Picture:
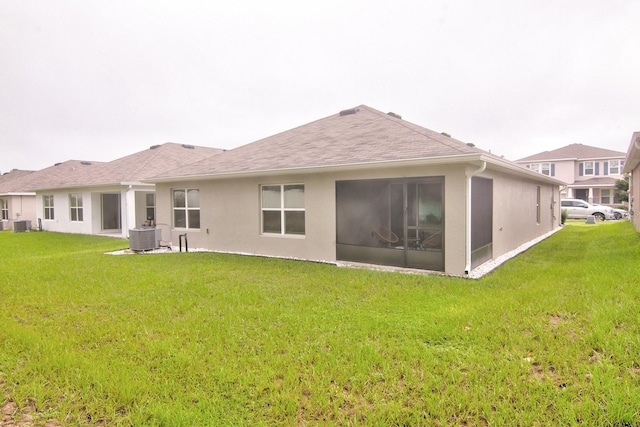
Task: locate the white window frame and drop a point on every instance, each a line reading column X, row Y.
column 584, row 168
column 76, row 207
column 605, row 192
column 4, row 209
column 618, row 167
column 186, row 208
column 283, row 210
column 48, row 207
column 543, row 168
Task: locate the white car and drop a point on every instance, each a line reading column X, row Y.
column 579, row 209
column 620, row 213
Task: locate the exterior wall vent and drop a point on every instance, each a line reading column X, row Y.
column 392, row 114
column 190, row 147
column 349, row 111
column 153, row 147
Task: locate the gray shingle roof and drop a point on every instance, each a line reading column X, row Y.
column 16, row 181
column 598, row 181
column 574, row 151
column 132, row 168
column 365, row 136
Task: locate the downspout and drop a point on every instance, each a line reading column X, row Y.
column 467, row 248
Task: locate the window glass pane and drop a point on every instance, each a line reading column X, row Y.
column 271, row 196
column 294, row 196
column 194, row 219
column 178, row 198
column 271, row 222
column 193, row 198
column 79, row 201
column 151, row 214
column 151, row 199
column 80, row 216
column 179, row 218
column 74, row 215
column 588, row 168
column 294, row 222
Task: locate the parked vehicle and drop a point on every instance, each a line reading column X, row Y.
column 620, row 213
column 579, row 209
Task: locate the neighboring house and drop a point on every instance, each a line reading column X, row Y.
column 590, row 171
column 632, row 166
column 360, row 186
column 107, row 198
column 16, row 202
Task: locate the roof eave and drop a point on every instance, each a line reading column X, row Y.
column 633, row 154
column 18, row 193
column 456, row 159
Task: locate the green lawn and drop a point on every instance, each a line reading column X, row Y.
column 551, row 337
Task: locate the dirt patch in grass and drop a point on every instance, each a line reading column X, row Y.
column 12, row 416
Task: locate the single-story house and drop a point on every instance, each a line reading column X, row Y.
column 632, row 167
column 359, row 186
column 108, row 198
column 17, row 203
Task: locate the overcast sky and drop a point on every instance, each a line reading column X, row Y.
column 98, row 80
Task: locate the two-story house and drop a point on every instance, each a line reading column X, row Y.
column 590, row 172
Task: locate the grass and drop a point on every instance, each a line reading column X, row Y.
column 552, row 337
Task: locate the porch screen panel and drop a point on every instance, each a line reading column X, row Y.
column 481, row 220
column 361, row 206
column 395, row 222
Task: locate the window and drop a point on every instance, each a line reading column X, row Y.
column 47, row 203
column 283, row 209
column 588, row 168
column 4, row 209
column 543, row 168
column 605, row 196
column 186, row 208
column 75, row 205
column 151, row 207
column 615, row 167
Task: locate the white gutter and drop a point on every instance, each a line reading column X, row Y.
column 467, row 248
column 456, row 159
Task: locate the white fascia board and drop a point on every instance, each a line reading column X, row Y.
column 18, row 193
column 463, row 158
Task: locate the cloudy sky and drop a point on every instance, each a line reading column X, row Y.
column 103, row 79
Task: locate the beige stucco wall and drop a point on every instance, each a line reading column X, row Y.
column 20, row 207
column 514, row 211
column 230, row 213
column 566, row 170
column 634, row 196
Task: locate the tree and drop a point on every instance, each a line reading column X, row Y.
column 622, row 189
